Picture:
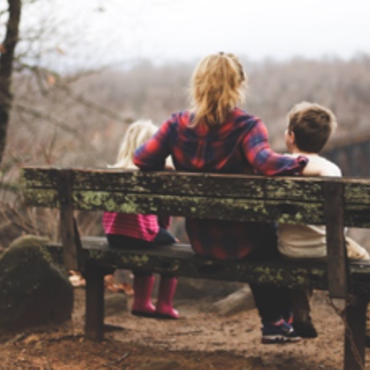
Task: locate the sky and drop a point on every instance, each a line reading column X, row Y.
column 116, row 31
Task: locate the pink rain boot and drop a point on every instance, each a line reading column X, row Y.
column 143, row 286
column 166, row 292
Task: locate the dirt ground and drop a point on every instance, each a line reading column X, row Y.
column 199, row 340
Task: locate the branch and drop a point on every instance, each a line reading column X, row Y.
column 62, row 84
column 37, row 114
column 90, row 104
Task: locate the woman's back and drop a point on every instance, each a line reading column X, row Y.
column 210, row 149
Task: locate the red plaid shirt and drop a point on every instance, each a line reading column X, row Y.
column 240, row 145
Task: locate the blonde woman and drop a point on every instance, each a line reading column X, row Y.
column 215, row 135
column 130, row 230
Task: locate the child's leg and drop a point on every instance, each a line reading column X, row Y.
column 166, row 292
column 272, row 302
column 302, row 321
column 143, row 286
column 301, row 304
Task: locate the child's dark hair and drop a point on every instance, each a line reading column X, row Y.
column 312, row 125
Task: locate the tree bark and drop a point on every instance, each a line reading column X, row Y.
column 6, row 66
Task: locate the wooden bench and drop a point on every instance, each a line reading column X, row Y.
column 323, row 201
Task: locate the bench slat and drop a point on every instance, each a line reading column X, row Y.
column 72, row 248
column 195, row 184
column 338, row 272
column 201, row 207
column 181, row 261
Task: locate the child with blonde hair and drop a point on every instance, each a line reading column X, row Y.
column 136, row 230
column 309, row 128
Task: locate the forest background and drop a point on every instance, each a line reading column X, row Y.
column 75, row 114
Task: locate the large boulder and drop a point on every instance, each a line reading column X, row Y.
column 33, row 291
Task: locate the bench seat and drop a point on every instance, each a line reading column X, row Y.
column 180, row 260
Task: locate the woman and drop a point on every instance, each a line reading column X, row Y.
column 217, row 136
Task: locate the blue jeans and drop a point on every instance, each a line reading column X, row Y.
column 163, row 237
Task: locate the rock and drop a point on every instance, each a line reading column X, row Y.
column 189, row 288
column 241, row 300
column 33, row 291
column 115, row 304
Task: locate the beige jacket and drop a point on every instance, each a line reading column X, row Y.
column 309, row 241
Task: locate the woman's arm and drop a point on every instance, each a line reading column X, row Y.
column 152, row 154
column 264, row 160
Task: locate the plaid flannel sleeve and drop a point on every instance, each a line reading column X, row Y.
column 153, row 153
column 264, row 160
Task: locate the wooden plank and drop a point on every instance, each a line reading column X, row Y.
column 181, row 260
column 357, row 191
column 338, row 273
column 355, row 334
column 94, row 321
column 197, row 207
column 72, row 248
column 202, row 207
column 177, row 183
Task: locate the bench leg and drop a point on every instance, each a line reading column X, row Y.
column 94, row 322
column 355, row 335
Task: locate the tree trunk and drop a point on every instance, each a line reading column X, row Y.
column 6, row 66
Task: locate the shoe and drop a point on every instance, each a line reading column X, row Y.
column 143, row 286
column 166, row 292
column 279, row 332
column 305, row 329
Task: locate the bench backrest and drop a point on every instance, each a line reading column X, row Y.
column 294, row 200
column 333, row 202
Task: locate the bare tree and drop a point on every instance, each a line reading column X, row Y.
column 6, row 66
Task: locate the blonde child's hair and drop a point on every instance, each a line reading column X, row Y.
column 217, row 86
column 312, row 125
column 137, row 134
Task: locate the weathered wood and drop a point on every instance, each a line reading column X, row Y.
column 197, row 207
column 282, row 211
column 290, row 200
column 181, row 260
column 175, row 183
column 338, row 273
column 94, row 322
column 199, row 184
column 72, row 247
column 355, row 334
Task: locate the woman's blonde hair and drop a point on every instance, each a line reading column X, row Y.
column 137, row 134
column 217, row 86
